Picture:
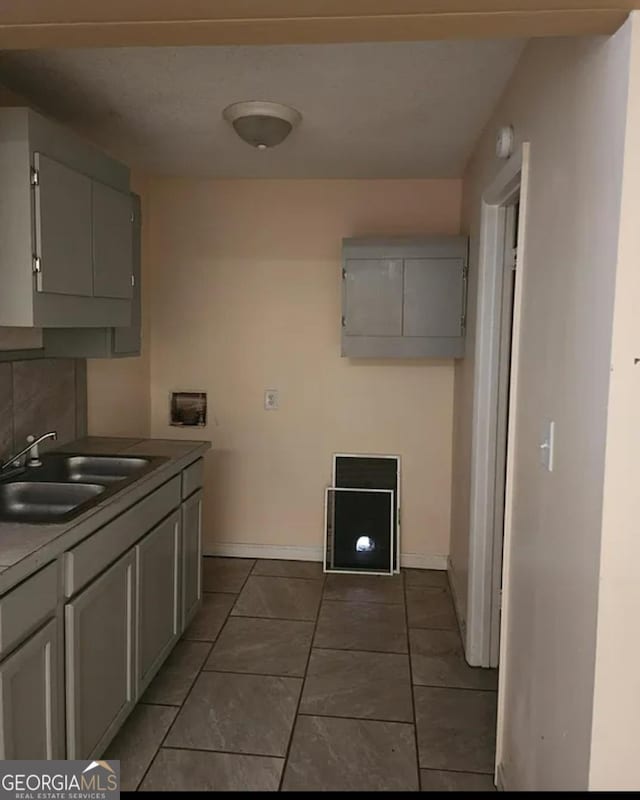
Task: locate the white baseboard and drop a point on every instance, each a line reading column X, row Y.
column 462, row 622
column 423, row 561
column 295, row 553
column 282, row 551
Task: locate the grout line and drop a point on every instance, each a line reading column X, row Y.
column 268, row 619
column 420, row 628
column 224, row 752
column 413, row 696
column 452, row 688
column 304, row 679
column 364, row 650
column 401, row 604
column 284, row 578
column 240, row 673
column 458, row 771
column 355, row 719
column 363, row 602
column 197, row 675
column 177, row 714
column 163, row 705
column 275, row 619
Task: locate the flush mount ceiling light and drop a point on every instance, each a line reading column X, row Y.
column 260, row 123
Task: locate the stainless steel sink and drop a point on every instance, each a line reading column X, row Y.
column 103, row 469
column 68, row 484
column 35, row 501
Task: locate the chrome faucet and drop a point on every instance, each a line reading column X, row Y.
column 32, row 456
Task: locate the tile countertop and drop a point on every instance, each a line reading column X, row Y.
column 24, row 547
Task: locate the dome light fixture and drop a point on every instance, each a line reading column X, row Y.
column 260, row 123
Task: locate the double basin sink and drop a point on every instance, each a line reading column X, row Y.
column 66, row 485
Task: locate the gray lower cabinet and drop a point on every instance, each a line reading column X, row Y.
column 158, row 580
column 30, row 683
column 99, row 655
column 191, row 556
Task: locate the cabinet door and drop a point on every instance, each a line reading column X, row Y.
column 191, row 556
column 63, row 229
column 433, row 297
column 99, row 651
column 127, row 341
column 30, row 690
column 372, row 299
column 112, row 242
column 157, row 560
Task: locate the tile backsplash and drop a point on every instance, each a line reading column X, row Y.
column 39, row 395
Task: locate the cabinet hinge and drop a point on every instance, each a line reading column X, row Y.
column 465, row 292
column 344, row 322
column 37, row 265
column 35, row 177
column 344, row 274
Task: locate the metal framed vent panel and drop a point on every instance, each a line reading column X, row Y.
column 371, row 471
column 359, row 531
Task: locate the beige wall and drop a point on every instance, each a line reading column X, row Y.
column 118, row 389
column 616, row 721
column 246, row 296
column 568, row 98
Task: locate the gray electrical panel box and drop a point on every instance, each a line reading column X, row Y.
column 404, row 298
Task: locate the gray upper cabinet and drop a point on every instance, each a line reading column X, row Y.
column 119, row 342
column 63, row 229
column 66, row 235
column 112, row 242
column 127, row 341
column 404, row 298
column 99, row 653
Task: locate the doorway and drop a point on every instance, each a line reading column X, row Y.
column 500, row 279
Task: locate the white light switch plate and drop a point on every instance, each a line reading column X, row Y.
column 547, row 446
column 271, row 400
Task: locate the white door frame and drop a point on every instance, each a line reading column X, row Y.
column 485, row 531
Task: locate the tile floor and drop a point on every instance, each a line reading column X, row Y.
column 290, row 680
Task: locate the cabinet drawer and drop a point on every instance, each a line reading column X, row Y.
column 192, row 477
column 96, row 552
column 25, row 607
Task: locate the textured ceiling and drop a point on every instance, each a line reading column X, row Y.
column 369, row 110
